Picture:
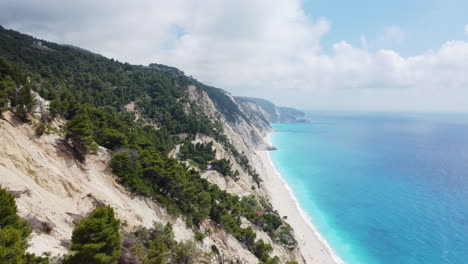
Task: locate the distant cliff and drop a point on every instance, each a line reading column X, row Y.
column 271, row 112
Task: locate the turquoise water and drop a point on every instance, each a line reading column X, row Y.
column 381, row 188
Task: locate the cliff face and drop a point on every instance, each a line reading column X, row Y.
column 270, row 112
column 54, row 190
column 248, row 134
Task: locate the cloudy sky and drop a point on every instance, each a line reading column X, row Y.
column 312, row 54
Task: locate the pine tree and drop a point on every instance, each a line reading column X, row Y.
column 79, row 133
column 186, row 253
column 13, row 231
column 96, row 239
column 161, row 244
column 24, row 102
column 157, row 251
column 6, row 85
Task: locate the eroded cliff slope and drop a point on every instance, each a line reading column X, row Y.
column 144, row 115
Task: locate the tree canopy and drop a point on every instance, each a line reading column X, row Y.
column 13, row 231
column 96, row 239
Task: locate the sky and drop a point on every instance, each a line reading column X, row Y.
column 312, row 54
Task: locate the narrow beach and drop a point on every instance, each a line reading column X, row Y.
column 313, row 246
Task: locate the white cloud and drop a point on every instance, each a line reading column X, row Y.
column 262, row 48
column 393, row 34
column 364, row 42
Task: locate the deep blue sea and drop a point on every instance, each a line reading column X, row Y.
column 381, row 188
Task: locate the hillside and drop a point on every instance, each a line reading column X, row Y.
column 81, row 131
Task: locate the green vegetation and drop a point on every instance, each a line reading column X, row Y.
column 79, row 133
column 96, row 239
column 6, row 86
column 89, row 92
column 13, row 231
column 40, row 128
column 241, row 159
column 24, row 102
column 224, row 167
column 201, row 153
column 6, row 83
column 264, row 217
column 199, row 236
column 186, row 253
column 15, row 91
column 184, row 192
column 14, row 234
column 262, row 250
column 166, row 180
column 157, row 246
column 224, row 103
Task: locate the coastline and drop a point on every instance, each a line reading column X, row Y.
column 314, row 248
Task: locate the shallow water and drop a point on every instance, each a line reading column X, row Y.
column 381, row 188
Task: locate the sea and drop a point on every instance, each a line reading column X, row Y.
column 381, row 188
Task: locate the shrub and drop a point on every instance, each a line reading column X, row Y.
column 222, row 166
column 13, row 231
column 262, row 250
column 186, row 253
column 40, row 128
column 199, row 236
column 215, row 249
column 79, row 133
column 96, row 239
column 112, row 138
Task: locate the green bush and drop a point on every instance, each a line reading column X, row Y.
column 161, row 244
column 13, row 231
column 96, row 239
column 215, row 249
column 199, row 236
column 222, row 166
column 24, row 102
column 6, row 86
column 186, row 253
column 112, row 138
column 157, row 246
column 123, row 165
column 40, row 128
column 78, row 131
column 262, row 250
column 201, row 153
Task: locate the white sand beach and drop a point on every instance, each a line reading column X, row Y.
column 314, row 247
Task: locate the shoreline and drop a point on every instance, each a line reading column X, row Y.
column 313, row 246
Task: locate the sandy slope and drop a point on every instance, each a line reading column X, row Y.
column 57, row 189
column 313, row 247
